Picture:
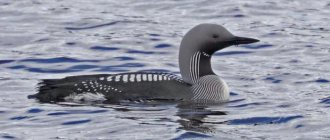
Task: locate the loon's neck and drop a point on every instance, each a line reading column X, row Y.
column 196, row 69
column 194, row 64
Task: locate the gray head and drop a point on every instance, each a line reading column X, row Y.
column 210, row 38
column 206, row 39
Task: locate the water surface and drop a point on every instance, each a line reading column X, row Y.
column 280, row 86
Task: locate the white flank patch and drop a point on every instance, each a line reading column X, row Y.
column 144, row 77
column 138, row 77
column 101, row 78
column 132, row 77
column 125, row 78
column 155, row 77
column 150, row 77
column 89, row 97
column 118, row 78
column 109, row 78
column 165, row 77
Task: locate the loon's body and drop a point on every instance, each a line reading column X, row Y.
column 198, row 82
column 114, row 87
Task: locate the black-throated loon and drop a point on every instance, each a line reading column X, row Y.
column 198, row 82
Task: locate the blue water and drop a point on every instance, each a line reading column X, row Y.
column 280, row 86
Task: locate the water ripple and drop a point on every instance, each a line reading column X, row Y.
column 124, row 58
column 143, row 52
column 83, row 67
column 93, row 26
column 325, row 100
column 34, row 110
column 56, row 60
column 20, row 117
column 156, row 70
column 249, row 104
column 322, row 81
column 162, row 46
column 103, row 48
column 191, row 135
column 76, row 112
column 76, row 122
column 8, row 137
column 263, row 120
column 257, row 46
column 44, row 70
column 232, row 53
column 273, row 79
column 6, row 61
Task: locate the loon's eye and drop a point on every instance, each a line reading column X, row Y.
column 215, row 36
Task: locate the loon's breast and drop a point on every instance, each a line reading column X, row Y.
column 210, row 88
column 124, row 86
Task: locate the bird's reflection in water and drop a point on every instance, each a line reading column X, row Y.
column 193, row 117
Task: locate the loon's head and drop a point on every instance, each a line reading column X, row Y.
column 210, row 38
column 198, row 45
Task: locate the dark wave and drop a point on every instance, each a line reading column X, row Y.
column 263, row 120
column 93, row 26
column 232, row 53
column 56, row 60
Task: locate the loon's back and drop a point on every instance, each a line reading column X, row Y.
column 115, row 87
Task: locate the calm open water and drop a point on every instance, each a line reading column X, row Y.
column 280, row 86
